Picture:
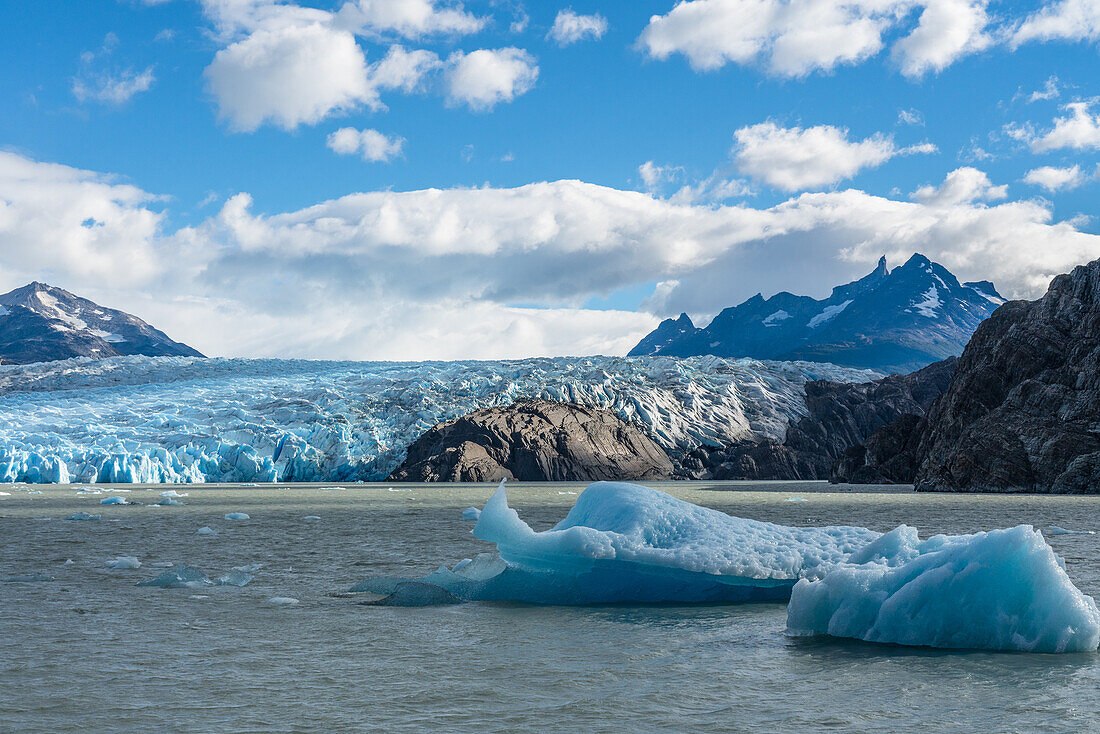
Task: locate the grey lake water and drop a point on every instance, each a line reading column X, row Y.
column 90, row 651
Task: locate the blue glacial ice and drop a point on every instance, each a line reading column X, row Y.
column 206, row 530
column 471, row 514
column 178, row 419
column 995, row 590
column 236, row 516
column 188, row 577
column 125, row 562
column 628, row 543
column 76, row 516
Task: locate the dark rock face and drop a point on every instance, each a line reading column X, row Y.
column 842, row 415
column 892, row 320
column 891, row 455
column 534, row 440
column 1023, row 411
column 39, row 323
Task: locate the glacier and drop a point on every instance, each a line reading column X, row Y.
column 189, row 420
column 628, row 543
column 994, row 590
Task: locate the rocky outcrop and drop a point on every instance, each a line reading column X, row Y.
column 1023, row 410
column 534, row 440
column 891, row 455
column 841, row 415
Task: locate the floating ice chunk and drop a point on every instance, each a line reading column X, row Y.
column 29, row 578
column 566, row 492
column 83, row 516
column 1057, row 530
column 311, row 517
column 236, row 516
column 5, row 494
column 995, row 590
column 179, row 577
column 173, row 493
column 471, row 513
column 236, row 577
column 332, row 489
column 126, row 562
column 114, row 501
column 415, row 594
column 796, row 499
column 205, row 530
column 162, row 564
column 250, row 568
column 169, row 501
column 286, row 600
column 628, row 543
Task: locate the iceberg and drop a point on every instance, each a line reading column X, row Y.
column 114, row 501
column 995, row 590
column 628, row 543
column 179, row 577
column 236, row 516
column 471, row 514
column 167, row 501
column 206, row 530
column 187, row 420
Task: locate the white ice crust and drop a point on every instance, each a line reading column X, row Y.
column 183, row 419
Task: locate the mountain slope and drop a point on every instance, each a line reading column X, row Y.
column 41, row 323
column 893, row 320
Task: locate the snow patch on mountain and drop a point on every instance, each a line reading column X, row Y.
column 776, row 317
column 182, row 419
column 931, row 301
column 828, row 313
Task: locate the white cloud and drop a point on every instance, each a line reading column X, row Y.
column 288, row 75
column 910, row 117
column 795, row 158
column 409, row 18
column 1068, row 20
column 797, row 37
column 654, row 176
column 403, row 69
column 1079, row 130
column 1055, row 179
column 371, row 145
column 569, row 27
column 113, row 88
column 961, row 186
column 481, row 79
column 1050, row 90
column 437, row 273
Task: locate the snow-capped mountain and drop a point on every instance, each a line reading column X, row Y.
column 892, row 320
column 41, row 323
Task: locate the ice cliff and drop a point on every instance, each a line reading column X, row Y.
column 181, row 419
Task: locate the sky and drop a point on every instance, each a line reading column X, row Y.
column 431, row 179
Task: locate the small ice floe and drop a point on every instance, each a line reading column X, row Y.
column 162, row 564
column 285, row 600
column 168, row 501
column 28, row 578
column 415, row 594
column 311, row 517
column 114, row 501
column 69, row 561
column 206, row 530
column 83, row 516
column 179, row 577
column 796, row 499
column 332, row 489
column 173, row 493
column 391, row 489
column 89, row 490
column 125, row 562
column 1058, row 530
column 236, row 577
column 566, row 492
column 5, row 494
column 236, row 516
column 471, row 514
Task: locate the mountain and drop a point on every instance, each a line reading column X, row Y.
column 892, row 320
column 41, row 323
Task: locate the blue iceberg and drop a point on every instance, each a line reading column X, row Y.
column 624, row 543
column 995, row 590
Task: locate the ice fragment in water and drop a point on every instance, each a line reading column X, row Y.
column 995, row 590
column 82, row 516
column 28, row 578
column 206, row 531
column 125, row 562
column 173, row 493
column 114, row 501
column 1057, row 530
column 234, row 578
column 311, row 517
column 471, row 513
column 285, row 600
column 179, row 577
column 236, row 516
column 169, row 501
column 415, row 594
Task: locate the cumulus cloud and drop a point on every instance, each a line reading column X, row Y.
column 484, row 78
column 569, row 27
column 1079, row 130
column 1067, row 20
column 439, row 273
column 288, row 75
column 794, row 38
column 911, row 116
column 1055, row 179
column 791, row 159
column 371, row 145
column 113, row 88
column 408, row 18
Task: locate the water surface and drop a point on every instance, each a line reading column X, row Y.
column 90, row 651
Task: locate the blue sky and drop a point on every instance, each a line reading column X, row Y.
column 780, row 156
